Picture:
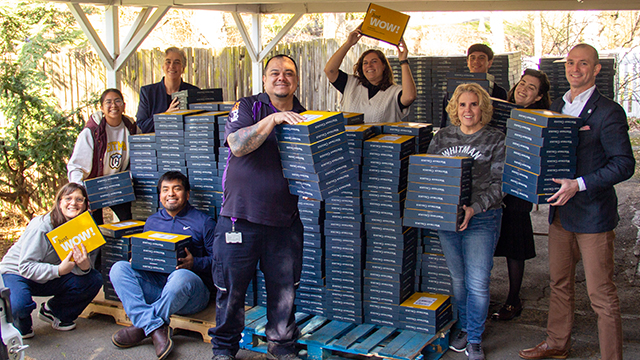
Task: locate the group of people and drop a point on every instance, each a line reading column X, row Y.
column 259, row 222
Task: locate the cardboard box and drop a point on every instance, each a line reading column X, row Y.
column 119, row 229
column 550, row 141
column 160, row 240
column 92, row 185
column 545, row 118
column 439, row 160
column 384, row 24
column 310, row 138
column 541, row 131
column 359, row 132
column 540, row 150
column 79, row 230
column 315, row 121
column 390, row 143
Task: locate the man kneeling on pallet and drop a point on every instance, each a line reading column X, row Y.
column 149, row 298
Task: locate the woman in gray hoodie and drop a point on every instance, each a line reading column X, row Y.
column 32, row 267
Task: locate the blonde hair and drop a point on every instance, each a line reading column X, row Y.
column 483, row 98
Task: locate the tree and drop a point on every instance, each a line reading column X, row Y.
column 37, row 137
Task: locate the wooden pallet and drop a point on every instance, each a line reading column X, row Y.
column 324, row 338
column 100, row 305
column 199, row 322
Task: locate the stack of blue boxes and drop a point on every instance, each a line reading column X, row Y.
column 390, row 247
column 426, row 312
column 110, row 190
column 157, row 251
column 116, row 248
column 501, row 113
column 454, row 79
column 310, row 294
column 422, row 132
column 203, row 138
column 144, row 171
column 541, row 145
column 432, row 274
column 315, row 155
column 438, row 187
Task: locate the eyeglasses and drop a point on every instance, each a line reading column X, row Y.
column 69, row 199
column 118, row 102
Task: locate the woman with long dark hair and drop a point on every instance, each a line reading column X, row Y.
column 102, row 148
column 32, row 267
column 516, row 235
column 371, row 89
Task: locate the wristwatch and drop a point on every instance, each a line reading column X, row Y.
column 404, row 62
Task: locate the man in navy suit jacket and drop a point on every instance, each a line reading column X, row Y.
column 156, row 98
column 584, row 212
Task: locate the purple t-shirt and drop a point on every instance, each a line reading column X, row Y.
column 254, row 187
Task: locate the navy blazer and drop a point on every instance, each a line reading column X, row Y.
column 605, row 158
column 154, row 100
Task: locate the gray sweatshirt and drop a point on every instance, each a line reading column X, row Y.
column 487, row 149
column 33, row 256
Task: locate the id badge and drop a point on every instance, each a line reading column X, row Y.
column 233, row 237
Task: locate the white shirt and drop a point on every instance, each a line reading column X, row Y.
column 575, row 109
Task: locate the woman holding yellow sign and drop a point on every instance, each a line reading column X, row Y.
column 32, row 267
column 371, row 89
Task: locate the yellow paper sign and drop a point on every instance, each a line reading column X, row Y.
column 384, row 24
column 79, row 230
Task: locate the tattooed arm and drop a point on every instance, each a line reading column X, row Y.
column 246, row 140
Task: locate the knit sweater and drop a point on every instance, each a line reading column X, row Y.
column 383, row 107
column 487, row 148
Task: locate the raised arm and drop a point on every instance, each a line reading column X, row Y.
column 331, row 69
column 409, row 92
column 246, row 140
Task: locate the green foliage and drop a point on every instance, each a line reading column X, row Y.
column 37, row 137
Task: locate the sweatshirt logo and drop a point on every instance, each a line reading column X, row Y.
column 462, row 149
column 186, row 227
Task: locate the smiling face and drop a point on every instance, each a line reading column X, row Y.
column 469, row 112
column 581, row 69
column 112, row 108
column 280, row 78
column 527, row 91
column 173, row 196
column 173, row 66
column 478, row 62
column 373, row 68
column 73, row 204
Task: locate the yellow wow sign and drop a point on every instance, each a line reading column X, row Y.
column 80, row 230
column 384, row 24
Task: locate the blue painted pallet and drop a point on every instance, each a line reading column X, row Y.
column 322, row 338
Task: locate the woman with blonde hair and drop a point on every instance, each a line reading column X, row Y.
column 469, row 251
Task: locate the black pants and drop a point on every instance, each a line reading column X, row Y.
column 279, row 251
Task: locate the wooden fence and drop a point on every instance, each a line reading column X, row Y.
column 79, row 77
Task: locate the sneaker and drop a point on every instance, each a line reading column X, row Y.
column 459, row 343
column 46, row 315
column 223, row 357
column 474, row 352
column 289, row 356
column 29, row 334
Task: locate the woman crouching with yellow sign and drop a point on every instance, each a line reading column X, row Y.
column 32, row 267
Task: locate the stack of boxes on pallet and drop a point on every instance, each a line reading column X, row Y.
column 344, row 229
column 541, row 145
column 310, row 295
column 432, row 273
column 143, row 155
column 485, row 80
column 554, row 68
column 110, row 190
column 390, row 262
column 501, row 113
column 117, row 247
column 438, row 187
column 430, row 76
column 426, row 312
column 157, row 251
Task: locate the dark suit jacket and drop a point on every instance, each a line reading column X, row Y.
column 154, row 100
column 605, row 158
column 498, row 92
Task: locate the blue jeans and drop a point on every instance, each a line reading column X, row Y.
column 469, row 256
column 279, row 251
column 149, row 298
column 71, row 295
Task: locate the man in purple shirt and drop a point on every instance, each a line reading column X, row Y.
column 259, row 219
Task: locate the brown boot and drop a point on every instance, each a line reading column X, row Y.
column 162, row 341
column 128, row 337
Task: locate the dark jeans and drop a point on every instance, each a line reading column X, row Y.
column 71, row 295
column 279, row 251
